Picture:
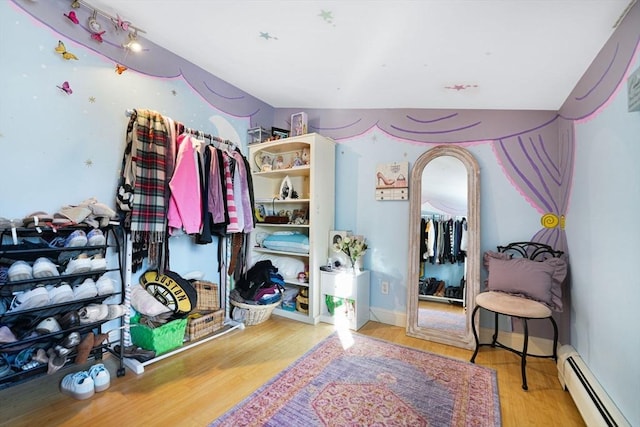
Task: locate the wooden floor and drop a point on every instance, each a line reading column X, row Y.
column 194, row 387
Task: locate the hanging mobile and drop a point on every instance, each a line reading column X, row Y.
column 94, row 25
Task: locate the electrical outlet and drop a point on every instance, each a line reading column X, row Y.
column 384, row 288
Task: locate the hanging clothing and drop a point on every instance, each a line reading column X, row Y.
column 185, row 203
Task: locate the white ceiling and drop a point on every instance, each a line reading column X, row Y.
column 459, row 54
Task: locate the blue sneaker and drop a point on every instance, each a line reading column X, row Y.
column 75, row 239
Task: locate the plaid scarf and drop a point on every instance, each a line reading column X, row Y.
column 150, row 139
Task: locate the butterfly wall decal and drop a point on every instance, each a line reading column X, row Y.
column 62, row 50
column 120, row 23
column 120, row 68
column 72, row 17
column 66, row 88
column 98, row 36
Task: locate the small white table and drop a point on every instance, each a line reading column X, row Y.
column 353, row 287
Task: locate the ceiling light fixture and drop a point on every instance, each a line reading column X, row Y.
column 132, row 43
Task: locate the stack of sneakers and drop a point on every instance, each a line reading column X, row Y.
column 84, row 384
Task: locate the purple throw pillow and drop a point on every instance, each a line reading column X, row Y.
column 537, row 280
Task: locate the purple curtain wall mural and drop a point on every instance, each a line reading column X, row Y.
column 534, row 148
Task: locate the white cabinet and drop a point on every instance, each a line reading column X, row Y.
column 294, row 184
column 348, row 293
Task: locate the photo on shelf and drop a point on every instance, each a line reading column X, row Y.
column 278, row 133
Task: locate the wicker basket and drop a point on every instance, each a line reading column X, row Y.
column 255, row 313
column 208, row 295
column 202, row 323
column 161, row 339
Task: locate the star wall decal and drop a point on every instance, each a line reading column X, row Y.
column 92, row 99
column 327, row 16
column 88, row 163
column 267, row 36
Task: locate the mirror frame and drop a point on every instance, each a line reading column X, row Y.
column 465, row 340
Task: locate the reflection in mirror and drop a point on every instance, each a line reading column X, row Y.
column 443, row 275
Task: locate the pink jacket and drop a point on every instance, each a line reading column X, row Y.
column 185, row 203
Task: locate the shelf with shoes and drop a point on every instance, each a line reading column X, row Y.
column 57, row 284
column 294, row 182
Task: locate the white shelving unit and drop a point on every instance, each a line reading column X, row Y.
column 309, row 163
column 353, row 289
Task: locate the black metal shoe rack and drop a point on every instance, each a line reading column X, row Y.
column 31, row 244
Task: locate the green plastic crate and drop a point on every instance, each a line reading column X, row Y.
column 162, row 339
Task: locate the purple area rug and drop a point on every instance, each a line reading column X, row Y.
column 372, row 382
column 441, row 320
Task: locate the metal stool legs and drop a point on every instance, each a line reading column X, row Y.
column 523, row 354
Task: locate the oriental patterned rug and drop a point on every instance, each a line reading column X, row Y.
column 442, row 320
column 372, row 382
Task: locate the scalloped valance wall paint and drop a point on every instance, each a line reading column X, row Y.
column 534, row 148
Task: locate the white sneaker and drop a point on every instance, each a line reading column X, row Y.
column 116, row 310
column 44, row 267
column 98, row 263
column 20, row 270
column 78, row 385
column 96, row 237
column 48, row 326
column 93, row 313
column 76, row 239
column 105, row 285
column 86, row 289
column 36, row 297
column 100, row 376
column 80, row 264
column 61, row 293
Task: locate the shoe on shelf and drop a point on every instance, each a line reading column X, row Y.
column 93, row 313
column 135, row 352
column 44, row 267
column 116, row 310
column 76, row 239
column 79, row 264
column 70, row 319
column 105, row 285
column 61, row 293
column 71, row 340
column 48, row 326
column 78, row 385
column 100, row 376
column 96, row 237
column 98, row 263
column 84, row 348
column 86, row 289
column 20, row 270
column 55, row 362
column 36, row 297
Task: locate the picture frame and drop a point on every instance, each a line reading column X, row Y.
column 278, row 133
column 299, row 122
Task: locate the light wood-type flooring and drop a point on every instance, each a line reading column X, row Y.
column 194, row 387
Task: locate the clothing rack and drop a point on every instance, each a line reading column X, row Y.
column 198, row 133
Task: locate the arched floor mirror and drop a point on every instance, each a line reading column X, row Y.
column 444, row 195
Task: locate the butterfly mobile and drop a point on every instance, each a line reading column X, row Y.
column 62, row 50
column 66, row 88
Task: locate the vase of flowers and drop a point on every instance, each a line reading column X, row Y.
column 353, row 247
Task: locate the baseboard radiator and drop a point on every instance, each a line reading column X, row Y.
column 594, row 404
